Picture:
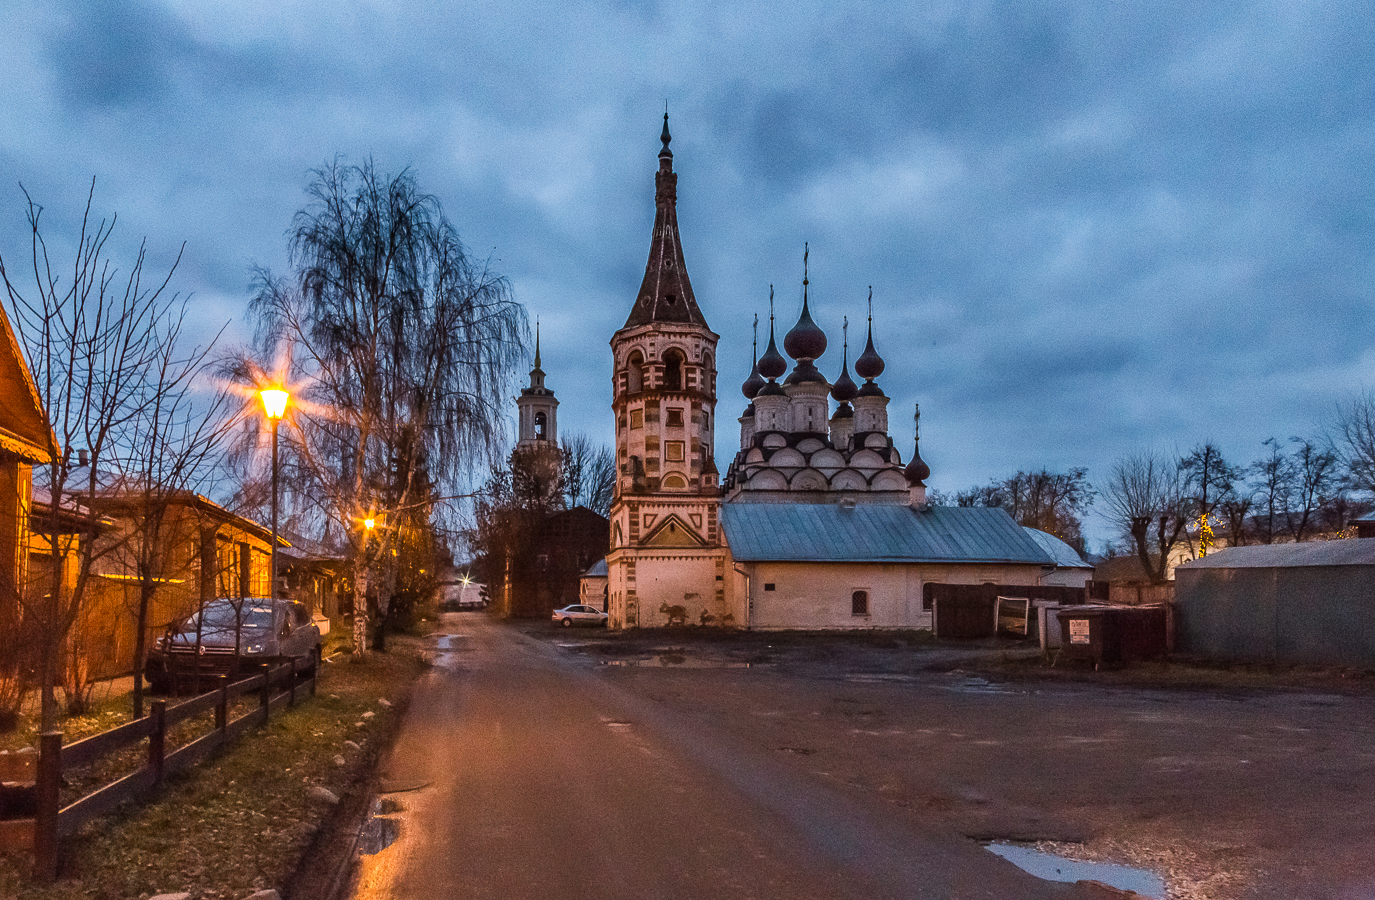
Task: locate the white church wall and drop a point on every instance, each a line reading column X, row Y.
column 819, row 595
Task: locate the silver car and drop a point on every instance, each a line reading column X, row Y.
column 232, row 637
column 578, row 614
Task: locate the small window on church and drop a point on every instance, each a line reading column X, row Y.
column 636, row 372
column 541, row 421
column 673, row 451
column 768, row 585
column 675, row 418
column 859, row 603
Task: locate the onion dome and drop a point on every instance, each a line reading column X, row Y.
column 755, row 381
column 752, row 384
column 805, row 341
column 844, row 388
column 772, row 389
column 917, row 471
column 772, row 364
column 749, row 412
column 843, row 411
column 870, row 389
column 869, row 365
column 805, row 371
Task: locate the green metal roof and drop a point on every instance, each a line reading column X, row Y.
column 827, row 532
column 1353, row 552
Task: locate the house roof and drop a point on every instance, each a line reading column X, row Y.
column 1065, row 556
column 1353, row 552
column 827, row 532
column 24, row 427
column 1121, row 570
column 598, row 569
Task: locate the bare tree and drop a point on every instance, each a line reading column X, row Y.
column 1146, row 498
column 1053, row 502
column 179, row 438
column 1315, row 480
column 1272, row 481
column 401, row 346
column 1356, row 438
column 92, row 338
column 589, row 474
column 1207, row 481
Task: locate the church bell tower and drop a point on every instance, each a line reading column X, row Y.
column 667, row 560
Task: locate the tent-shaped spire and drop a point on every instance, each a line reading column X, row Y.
column 665, row 294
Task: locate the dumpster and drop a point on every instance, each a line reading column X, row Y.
column 1111, row 634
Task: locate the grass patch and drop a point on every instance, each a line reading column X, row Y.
column 240, row 822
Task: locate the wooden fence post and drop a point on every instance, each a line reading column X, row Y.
column 157, row 740
column 222, row 704
column 49, row 783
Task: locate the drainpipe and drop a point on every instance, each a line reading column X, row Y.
column 749, row 592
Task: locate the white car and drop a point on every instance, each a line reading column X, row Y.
column 577, row 614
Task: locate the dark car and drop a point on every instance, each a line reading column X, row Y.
column 233, row 637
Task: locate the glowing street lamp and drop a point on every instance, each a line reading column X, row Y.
column 274, row 404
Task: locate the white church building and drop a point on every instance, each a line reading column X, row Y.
column 817, row 524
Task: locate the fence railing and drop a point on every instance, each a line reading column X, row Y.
column 276, row 687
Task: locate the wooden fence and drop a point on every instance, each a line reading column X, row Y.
column 43, row 832
column 964, row 611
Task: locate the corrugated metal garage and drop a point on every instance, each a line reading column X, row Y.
column 1310, row 603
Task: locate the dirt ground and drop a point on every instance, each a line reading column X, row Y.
column 1240, row 783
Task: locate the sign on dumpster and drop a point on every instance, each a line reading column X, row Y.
column 1079, row 631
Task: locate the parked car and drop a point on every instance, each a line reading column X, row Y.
column 233, row 637
column 577, row 614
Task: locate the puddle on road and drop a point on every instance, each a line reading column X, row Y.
column 445, row 647
column 380, row 831
column 880, row 678
column 1058, row 868
column 968, row 685
column 678, row 661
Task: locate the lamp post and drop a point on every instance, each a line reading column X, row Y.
column 274, row 403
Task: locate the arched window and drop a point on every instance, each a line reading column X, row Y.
column 541, row 421
column 859, row 603
column 708, row 375
column 636, row 367
column 673, row 370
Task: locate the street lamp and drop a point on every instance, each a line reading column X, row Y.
column 274, row 404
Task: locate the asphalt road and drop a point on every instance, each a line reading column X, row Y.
column 524, row 772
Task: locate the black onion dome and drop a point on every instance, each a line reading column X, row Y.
column 917, row 471
column 772, row 389
column 752, row 384
column 805, row 371
column 870, row 389
column 749, row 412
column 844, row 388
column 843, row 411
column 870, row 364
column 805, row 341
column 772, row 364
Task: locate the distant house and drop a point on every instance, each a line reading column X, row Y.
column 592, row 586
column 26, row 440
column 203, row 551
column 1123, row 580
column 1310, row 603
column 837, row 566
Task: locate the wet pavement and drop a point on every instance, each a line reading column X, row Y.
column 674, row 748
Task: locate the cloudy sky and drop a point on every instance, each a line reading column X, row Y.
column 1090, row 227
